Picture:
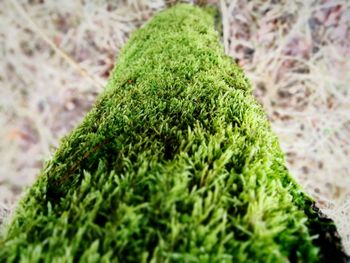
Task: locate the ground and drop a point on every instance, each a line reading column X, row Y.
column 56, row 58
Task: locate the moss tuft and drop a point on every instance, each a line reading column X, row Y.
column 176, row 162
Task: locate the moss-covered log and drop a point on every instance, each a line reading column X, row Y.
column 176, row 162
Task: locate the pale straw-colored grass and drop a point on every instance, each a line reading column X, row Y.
column 56, row 56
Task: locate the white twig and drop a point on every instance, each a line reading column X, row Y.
column 225, row 25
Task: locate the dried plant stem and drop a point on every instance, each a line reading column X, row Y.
column 59, row 51
column 225, row 25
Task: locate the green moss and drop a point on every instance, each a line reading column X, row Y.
column 176, row 162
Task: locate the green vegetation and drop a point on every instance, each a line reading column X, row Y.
column 176, row 162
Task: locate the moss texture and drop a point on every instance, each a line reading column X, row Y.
column 176, row 162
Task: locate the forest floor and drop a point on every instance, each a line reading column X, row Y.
column 56, row 57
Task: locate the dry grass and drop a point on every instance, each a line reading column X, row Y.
column 56, row 57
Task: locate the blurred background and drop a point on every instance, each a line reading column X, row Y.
column 56, row 57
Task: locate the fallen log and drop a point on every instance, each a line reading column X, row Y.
column 175, row 162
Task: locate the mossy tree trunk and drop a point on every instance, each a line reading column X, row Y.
column 176, row 162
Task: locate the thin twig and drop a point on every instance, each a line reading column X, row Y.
column 225, row 25
column 60, row 52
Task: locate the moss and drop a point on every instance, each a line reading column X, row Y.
column 176, row 162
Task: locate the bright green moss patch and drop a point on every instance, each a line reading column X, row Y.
column 175, row 163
